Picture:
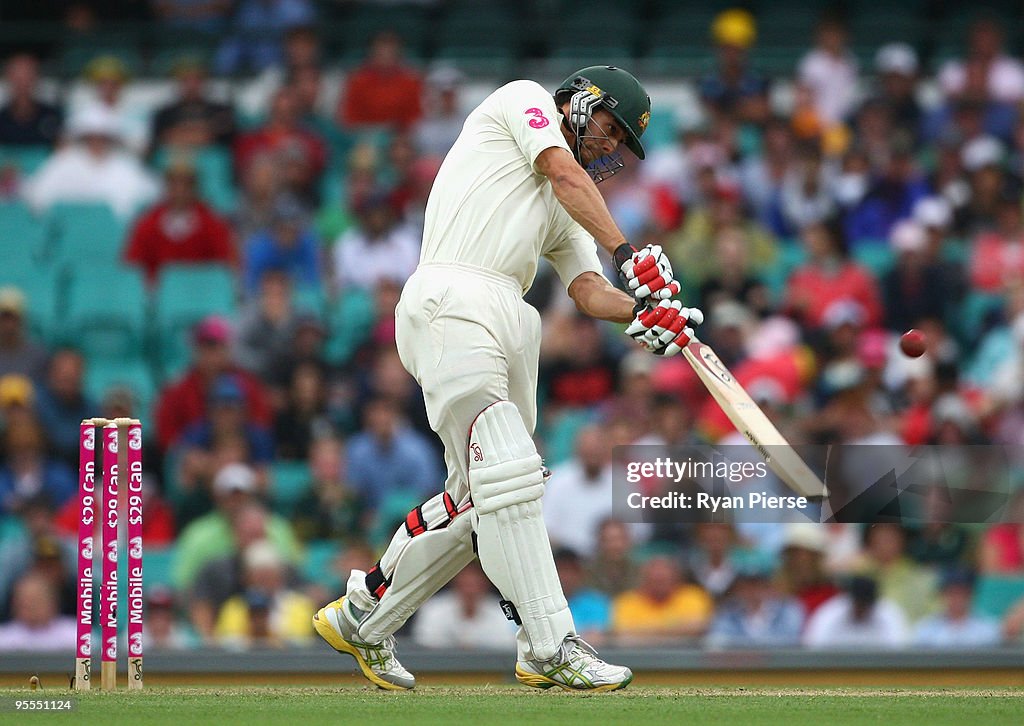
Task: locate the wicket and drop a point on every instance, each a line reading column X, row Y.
column 121, row 441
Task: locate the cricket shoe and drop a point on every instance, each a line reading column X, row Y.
column 575, row 667
column 337, row 623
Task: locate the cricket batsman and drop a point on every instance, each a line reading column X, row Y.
column 519, row 184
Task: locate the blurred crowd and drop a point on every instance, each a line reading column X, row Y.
column 812, row 230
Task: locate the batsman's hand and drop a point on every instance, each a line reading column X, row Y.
column 664, row 328
column 646, row 273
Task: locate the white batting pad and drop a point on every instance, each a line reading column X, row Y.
column 506, row 482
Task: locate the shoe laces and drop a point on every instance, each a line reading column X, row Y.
column 575, row 646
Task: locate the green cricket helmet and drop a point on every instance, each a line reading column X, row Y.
column 620, row 93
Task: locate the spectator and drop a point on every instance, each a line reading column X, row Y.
column 267, row 324
column 107, row 76
column 180, row 228
column 93, row 168
column 806, row 196
column 19, row 354
column 268, row 612
column 763, row 175
column 466, row 616
column 183, row 403
column 576, row 370
column 613, row 569
column 829, row 71
column 383, row 90
column 161, row 629
column 436, row 132
column 18, row 543
column 591, row 609
column 661, row 607
column 890, row 197
column 304, row 415
column 37, row 625
column 754, row 614
column 897, row 67
column 377, row 248
column 25, row 120
column 988, row 183
column 803, row 575
column 331, row 509
column 857, row 619
column 711, row 559
column 62, row 404
column 204, row 17
column 307, row 347
column 253, row 42
column 1003, row 75
column 919, row 286
column 50, row 559
column 734, row 89
column 997, row 255
column 192, row 119
column 223, row 577
column 259, row 191
column 301, row 154
column 827, row 277
column 956, row 627
column 28, row 472
column 224, row 423
column 211, row 536
column 908, row 585
column 388, row 457
column 289, row 244
column 578, row 496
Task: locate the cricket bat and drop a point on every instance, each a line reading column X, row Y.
column 752, row 422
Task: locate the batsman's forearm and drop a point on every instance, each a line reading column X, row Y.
column 578, row 194
column 595, row 297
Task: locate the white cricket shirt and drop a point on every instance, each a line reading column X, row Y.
column 489, row 207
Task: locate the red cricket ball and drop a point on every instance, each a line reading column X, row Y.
column 913, row 343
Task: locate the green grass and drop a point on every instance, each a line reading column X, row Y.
column 482, row 706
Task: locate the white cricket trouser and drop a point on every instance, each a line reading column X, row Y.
column 469, row 339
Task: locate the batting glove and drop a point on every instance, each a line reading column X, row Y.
column 663, row 328
column 646, row 273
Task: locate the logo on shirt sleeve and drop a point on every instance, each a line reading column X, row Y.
column 539, row 120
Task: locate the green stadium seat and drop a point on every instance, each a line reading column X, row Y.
column 316, row 566
column 157, row 566
column 560, row 439
column 877, row 256
column 27, row 159
column 101, row 375
column 994, row 594
column 289, row 483
column 78, row 54
column 185, row 294
column 350, row 319
column 85, row 233
column 22, row 235
column 106, row 312
column 976, row 309
column 309, row 299
column 44, row 296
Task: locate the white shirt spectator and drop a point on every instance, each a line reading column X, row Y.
column 1005, row 79
column 57, row 635
column 832, row 626
column 575, row 505
column 939, row 631
column 442, row 623
column 358, row 262
column 93, row 169
column 832, row 80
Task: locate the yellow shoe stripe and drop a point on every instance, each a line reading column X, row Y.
column 536, row 680
column 329, row 634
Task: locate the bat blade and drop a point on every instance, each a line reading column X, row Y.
column 751, row 421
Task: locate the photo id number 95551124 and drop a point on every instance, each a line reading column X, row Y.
column 24, row 705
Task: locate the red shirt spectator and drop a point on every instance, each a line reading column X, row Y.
column 180, row 228
column 830, row 277
column 383, row 90
column 183, row 403
column 997, row 260
column 301, row 152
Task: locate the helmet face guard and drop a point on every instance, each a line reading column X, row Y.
column 619, row 93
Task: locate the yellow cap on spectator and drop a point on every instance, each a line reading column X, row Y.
column 106, row 68
column 16, row 390
column 12, row 300
column 734, row 27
